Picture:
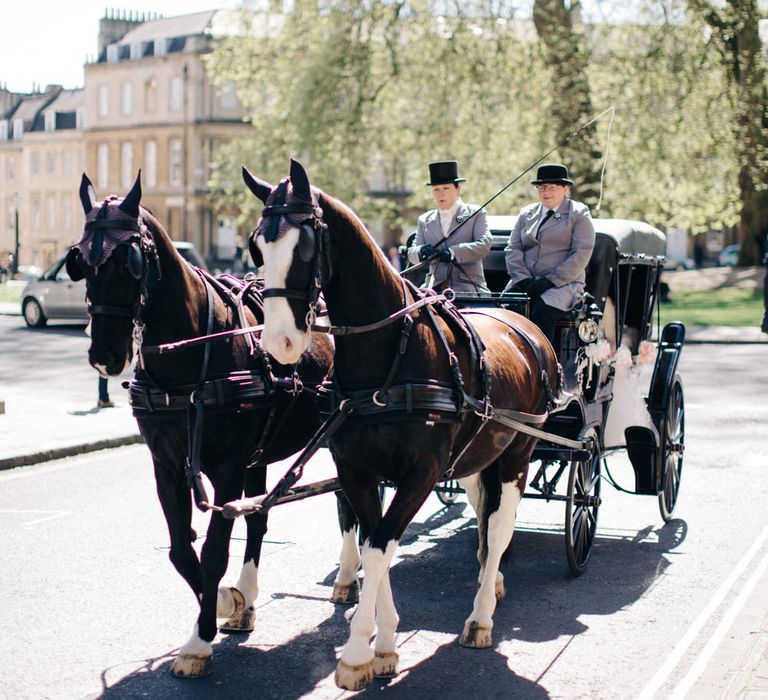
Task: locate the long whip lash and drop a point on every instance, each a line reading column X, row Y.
column 610, row 109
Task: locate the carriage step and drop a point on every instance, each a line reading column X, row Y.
column 642, row 451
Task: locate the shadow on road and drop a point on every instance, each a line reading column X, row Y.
column 433, row 590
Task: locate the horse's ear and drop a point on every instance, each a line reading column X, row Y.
column 130, row 204
column 261, row 189
column 300, row 181
column 87, row 194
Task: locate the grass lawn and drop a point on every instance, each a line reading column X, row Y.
column 723, row 306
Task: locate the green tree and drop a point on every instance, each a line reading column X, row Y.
column 734, row 25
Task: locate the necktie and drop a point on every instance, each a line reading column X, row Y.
column 546, row 218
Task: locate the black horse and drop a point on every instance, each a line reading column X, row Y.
column 428, row 395
column 218, row 407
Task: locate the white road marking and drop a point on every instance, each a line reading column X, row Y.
column 714, row 641
column 693, row 631
column 49, row 515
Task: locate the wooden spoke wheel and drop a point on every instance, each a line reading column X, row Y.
column 672, row 448
column 581, row 509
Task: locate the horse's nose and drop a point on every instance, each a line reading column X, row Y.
column 287, row 344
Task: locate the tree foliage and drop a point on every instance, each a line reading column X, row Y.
column 367, row 93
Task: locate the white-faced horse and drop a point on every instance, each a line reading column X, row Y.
column 421, row 386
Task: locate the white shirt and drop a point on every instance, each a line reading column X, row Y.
column 446, row 216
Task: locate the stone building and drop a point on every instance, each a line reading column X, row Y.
column 146, row 104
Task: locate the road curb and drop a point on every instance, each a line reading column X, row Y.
column 68, row 451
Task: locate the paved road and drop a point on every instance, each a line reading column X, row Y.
column 91, row 607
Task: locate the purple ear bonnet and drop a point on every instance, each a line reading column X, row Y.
column 105, row 229
column 283, row 211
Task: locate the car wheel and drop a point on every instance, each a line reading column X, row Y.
column 33, row 314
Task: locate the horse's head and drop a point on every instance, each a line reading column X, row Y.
column 290, row 243
column 117, row 258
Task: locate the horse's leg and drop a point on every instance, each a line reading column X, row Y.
column 236, row 603
column 176, row 504
column 471, row 486
column 503, row 483
column 346, row 589
column 194, row 657
column 356, row 667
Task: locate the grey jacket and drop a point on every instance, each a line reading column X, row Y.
column 470, row 244
column 560, row 252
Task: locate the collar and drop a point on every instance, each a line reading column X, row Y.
column 444, row 213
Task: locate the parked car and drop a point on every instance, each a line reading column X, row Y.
column 53, row 296
column 729, row 255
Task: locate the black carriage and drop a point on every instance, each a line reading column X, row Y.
column 611, row 328
column 614, row 324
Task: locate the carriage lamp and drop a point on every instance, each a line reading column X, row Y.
column 588, row 330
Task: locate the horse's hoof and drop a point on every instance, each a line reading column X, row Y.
column 346, row 594
column 386, row 664
column 191, row 666
column 475, row 636
column 353, row 677
column 242, row 622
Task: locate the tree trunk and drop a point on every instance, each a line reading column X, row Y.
column 567, row 57
column 736, row 31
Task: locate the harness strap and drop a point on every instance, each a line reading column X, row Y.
column 406, row 311
column 195, row 432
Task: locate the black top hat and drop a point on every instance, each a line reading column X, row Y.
column 554, row 173
column 443, row 172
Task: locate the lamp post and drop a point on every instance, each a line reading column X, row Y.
column 15, row 266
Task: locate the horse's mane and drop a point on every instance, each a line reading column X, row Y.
column 345, row 223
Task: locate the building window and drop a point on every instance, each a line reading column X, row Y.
column 18, row 129
column 127, row 101
column 35, row 213
column 50, row 162
column 80, row 118
column 102, row 166
column 175, row 95
column 50, row 211
column 10, row 169
column 50, row 121
column 150, row 163
column 66, row 163
column 34, row 163
column 228, row 96
column 3, row 130
column 103, row 100
column 174, row 161
column 126, row 164
column 150, row 96
column 66, row 213
column 113, row 53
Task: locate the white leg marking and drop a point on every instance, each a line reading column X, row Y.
column 471, row 486
column 193, row 659
column 280, row 337
column 349, row 559
column 248, row 583
column 357, row 650
column 501, row 526
column 387, row 618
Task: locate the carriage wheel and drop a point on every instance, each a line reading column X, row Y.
column 582, row 505
column 672, row 441
column 446, row 497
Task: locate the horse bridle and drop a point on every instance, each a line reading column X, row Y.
column 142, row 258
column 312, row 247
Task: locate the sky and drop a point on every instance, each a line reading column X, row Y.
column 48, row 41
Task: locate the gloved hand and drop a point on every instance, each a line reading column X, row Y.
column 445, row 255
column 522, row 286
column 426, row 251
column 539, row 286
